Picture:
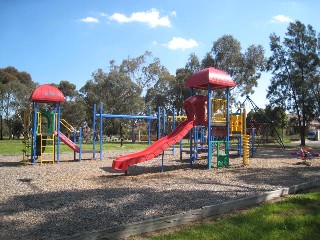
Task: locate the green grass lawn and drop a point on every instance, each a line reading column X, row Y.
column 8, row 147
column 15, row 146
column 296, row 217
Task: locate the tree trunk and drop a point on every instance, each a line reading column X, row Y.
column 1, row 126
column 303, row 129
column 121, row 135
column 133, row 137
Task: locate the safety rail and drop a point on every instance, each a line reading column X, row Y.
column 68, row 126
column 219, row 110
column 178, row 118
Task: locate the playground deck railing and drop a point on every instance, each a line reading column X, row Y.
column 68, row 126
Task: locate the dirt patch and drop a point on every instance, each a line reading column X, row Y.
column 58, row 200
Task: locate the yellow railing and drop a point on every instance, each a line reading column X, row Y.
column 178, row 118
column 68, row 126
column 39, row 130
column 219, row 109
column 236, row 123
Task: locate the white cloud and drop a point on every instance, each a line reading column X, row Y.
column 89, row 20
column 152, row 18
column 181, row 43
column 173, row 13
column 281, row 19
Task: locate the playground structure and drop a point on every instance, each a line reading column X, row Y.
column 159, row 117
column 42, row 134
column 238, row 142
column 42, row 129
column 204, row 114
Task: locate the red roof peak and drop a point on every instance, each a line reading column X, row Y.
column 47, row 94
column 216, row 78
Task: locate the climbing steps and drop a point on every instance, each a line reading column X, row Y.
column 26, row 150
column 47, row 144
column 222, row 156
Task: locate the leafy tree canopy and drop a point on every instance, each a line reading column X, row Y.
column 245, row 68
column 295, row 66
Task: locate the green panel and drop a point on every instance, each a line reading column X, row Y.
column 222, row 160
column 50, row 121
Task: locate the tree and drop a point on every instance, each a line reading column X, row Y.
column 170, row 92
column 118, row 94
column 207, row 61
column 295, row 66
column 144, row 70
column 69, row 89
column 193, row 64
column 161, row 94
column 74, row 109
column 16, row 88
column 179, row 93
column 245, row 68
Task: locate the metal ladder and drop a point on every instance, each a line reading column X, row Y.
column 47, row 144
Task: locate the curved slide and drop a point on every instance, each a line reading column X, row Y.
column 69, row 143
column 123, row 162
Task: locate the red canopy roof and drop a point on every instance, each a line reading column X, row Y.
column 215, row 77
column 47, row 94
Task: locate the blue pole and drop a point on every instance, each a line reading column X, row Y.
column 94, row 131
column 228, row 123
column 181, row 146
column 101, row 110
column 80, row 143
column 128, row 116
column 149, row 127
column 240, row 146
column 195, row 139
column 55, row 134
column 209, row 114
column 173, row 125
column 58, row 140
column 162, row 162
column 252, row 141
column 191, row 146
column 164, row 132
column 34, row 133
column 202, row 135
column 191, row 137
column 75, row 142
column 159, row 124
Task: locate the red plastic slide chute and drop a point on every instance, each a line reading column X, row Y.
column 69, row 143
column 123, row 162
column 195, row 109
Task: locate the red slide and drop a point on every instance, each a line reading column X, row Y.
column 69, row 143
column 123, row 162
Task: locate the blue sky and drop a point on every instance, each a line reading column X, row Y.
column 68, row 39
